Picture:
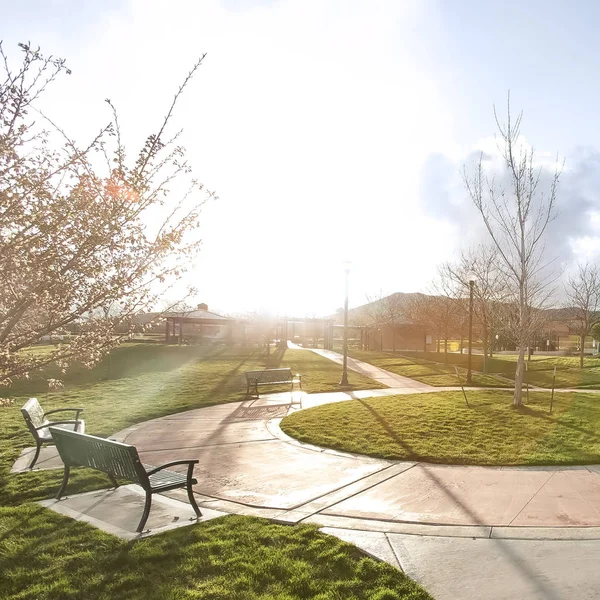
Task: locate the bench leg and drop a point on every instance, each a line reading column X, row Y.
column 192, row 500
column 65, row 480
column 37, row 454
column 146, row 512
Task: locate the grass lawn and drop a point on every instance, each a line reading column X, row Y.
column 421, row 369
column 440, row 428
column 46, row 556
column 540, row 370
column 428, row 367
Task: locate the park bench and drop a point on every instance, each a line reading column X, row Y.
column 38, row 424
column 121, row 461
column 270, row 377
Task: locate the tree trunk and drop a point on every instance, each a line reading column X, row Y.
column 519, row 376
column 485, row 352
column 581, row 349
column 445, row 351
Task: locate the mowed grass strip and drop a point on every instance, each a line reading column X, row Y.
column 428, row 367
column 45, row 556
column 540, row 370
column 440, row 428
column 427, row 371
column 140, row 382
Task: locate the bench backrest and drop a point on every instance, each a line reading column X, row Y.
column 116, row 459
column 268, row 375
column 33, row 414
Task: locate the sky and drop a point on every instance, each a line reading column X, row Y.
column 334, row 131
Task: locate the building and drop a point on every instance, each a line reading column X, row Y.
column 200, row 326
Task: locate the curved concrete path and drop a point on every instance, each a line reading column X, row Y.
column 461, row 532
column 247, row 465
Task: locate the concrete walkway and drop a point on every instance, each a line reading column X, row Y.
column 247, row 462
column 461, row 532
column 387, row 378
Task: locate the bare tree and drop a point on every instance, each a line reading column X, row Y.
column 583, row 299
column 417, row 310
column 516, row 213
column 386, row 310
column 481, row 264
column 88, row 239
column 445, row 310
column 376, row 315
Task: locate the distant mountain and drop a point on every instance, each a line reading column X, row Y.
column 380, row 310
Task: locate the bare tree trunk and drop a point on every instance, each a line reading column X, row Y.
column 485, row 352
column 445, row 351
column 581, row 350
column 519, row 376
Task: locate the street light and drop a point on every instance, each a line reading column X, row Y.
column 344, row 380
column 471, row 285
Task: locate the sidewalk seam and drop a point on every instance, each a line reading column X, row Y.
column 532, row 497
column 341, row 488
column 386, row 535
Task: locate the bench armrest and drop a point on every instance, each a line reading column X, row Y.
column 56, row 410
column 191, row 464
column 52, row 423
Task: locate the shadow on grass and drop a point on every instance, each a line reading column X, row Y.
column 412, row 455
column 274, row 360
column 19, row 525
column 526, row 410
column 229, row 378
column 233, row 557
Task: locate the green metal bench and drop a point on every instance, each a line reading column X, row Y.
column 121, row 461
column 270, row 377
column 38, row 424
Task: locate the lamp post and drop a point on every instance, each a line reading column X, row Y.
column 471, row 285
column 344, row 380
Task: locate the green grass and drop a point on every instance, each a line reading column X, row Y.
column 540, row 370
column 440, row 428
column 428, row 367
column 45, row 556
column 421, row 369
